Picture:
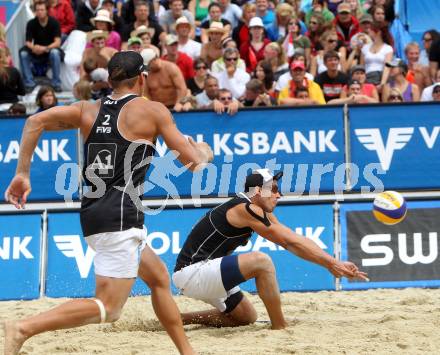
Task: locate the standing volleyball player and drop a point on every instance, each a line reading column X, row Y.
column 111, row 223
column 205, row 270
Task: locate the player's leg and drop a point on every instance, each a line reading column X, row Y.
column 155, row 274
column 111, row 292
column 259, row 266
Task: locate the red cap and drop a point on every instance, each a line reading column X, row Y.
column 297, row 64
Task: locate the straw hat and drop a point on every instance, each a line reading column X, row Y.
column 216, row 27
column 138, row 32
column 102, row 15
column 91, row 36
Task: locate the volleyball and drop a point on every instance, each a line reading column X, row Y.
column 389, row 207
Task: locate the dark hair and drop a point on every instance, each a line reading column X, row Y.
column 331, row 54
column 434, row 35
column 296, row 56
column 268, row 73
column 43, row 91
column 141, row 3
column 199, row 61
column 210, row 77
column 300, row 89
column 385, row 33
column 16, row 109
column 352, row 82
column 213, row 4
column 255, row 85
column 40, row 2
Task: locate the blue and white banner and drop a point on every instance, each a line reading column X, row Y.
column 20, row 240
column 56, row 152
column 403, row 255
column 399, row 140
column 307, row 144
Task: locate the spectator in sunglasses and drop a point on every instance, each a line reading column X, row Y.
column 197, row 83
column 395, row 96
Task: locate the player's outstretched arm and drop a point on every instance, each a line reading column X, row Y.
column 54, row 119
column 303, row 247
column 194, row 155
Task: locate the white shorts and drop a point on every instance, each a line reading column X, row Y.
column 203, row 281
column 118, row 254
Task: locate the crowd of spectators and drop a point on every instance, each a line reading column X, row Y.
column 224, row 55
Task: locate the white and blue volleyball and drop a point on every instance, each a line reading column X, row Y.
column 389, row 207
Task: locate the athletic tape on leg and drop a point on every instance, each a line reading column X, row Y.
column 101, row 309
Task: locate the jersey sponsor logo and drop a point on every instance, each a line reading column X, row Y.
column 71, row 247
column 110, row 102
column 101, row 129
column 101, row 160
column 15, row 248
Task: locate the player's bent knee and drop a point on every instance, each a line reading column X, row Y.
column 263, row 261
column 107, row 314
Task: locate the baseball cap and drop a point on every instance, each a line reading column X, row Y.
column 133, row 40
column 344, row 7
column 256, row 22
column 260, row 177
column 297, row 64
column 171, row 39
column 356, row 68
column 366, row 18
column 182, row 21
column 125, row 65
column 148, row 55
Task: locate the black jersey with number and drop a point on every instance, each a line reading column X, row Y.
column 213, row 236
column 114, row 168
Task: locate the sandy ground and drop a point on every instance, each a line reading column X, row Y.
column 359, row 322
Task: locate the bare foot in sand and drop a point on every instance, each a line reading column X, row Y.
column 14, row 339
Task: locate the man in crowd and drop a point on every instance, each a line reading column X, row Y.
column 85, row 12
column 263, row 11
column 255, row 95
column 183, row 61
column 185, row 43
column 165, row 82
column 230, row 12
column 332, row 80
column 42, row 48
column 346, row 24
column 209, row 98
column 169, row 18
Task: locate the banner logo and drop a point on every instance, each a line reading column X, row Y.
column 70, row 246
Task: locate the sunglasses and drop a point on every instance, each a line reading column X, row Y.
column 332, row 40
column 313, row 22
column 427, row 39
column 200, row 67
column 436, row 92
column 234, row 59
column 395, row 97
column 227, row 98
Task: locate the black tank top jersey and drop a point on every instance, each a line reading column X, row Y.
column 213, row 237
column 104, row 156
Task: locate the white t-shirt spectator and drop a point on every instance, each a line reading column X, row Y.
column 284, row 79
column 203, row 100
column 232, row 14
column 191, row 48
column 236, row 85
column 375, row 61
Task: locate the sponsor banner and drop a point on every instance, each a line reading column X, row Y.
column 70, row 261
column 403, row 255
column 306, row 143
column 55, row 152
column 400, row 140
column 20, row 256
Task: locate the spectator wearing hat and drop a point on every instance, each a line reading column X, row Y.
column 332, row 80
column 241, row 34
column 215, row 15
column 358, row 74
column 134, row 44
column 103, row 22
column 233, row 78
column 278, row 29
column 98, row 53
column 284, row 79
column 115, row 15
column 427, row 92
column 213, row 49
column 62, row 11
column 169, row 18
column 354, row 96
column 165, row 82
column 398, row 70
column 185, row 43
column 252, row 51
column 264, row 12
column 255, row 95
column 230, row 12
column 182, row 60
column 85, row 11
column 346, row 24
column 145, row 34
column 417, row 73
column 287, row 95
column 295, row 40
column 219, row 64
column 142, row 18
column 42, row 48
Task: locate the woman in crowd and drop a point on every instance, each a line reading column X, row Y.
column 319, row 6
column 212, row 50
column 103, row 22
column 241, row 33
column 145, row 34
column 395, row 96
column 374, row 55
column 263, row 72
column 197, row 83
column 388, row 10
column 356, row 8
column 398, row 70
column 316, row 28
column 46, row 98
column 252, row 51
column 215, row 15
column 219, row 65
column 4, row 45
column 199, row 9
column 82, row 90
column 11, row 83
column 429, row 37
column 329, row 42
column 294, row 39
column 274, row 54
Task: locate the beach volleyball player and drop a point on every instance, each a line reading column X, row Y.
column 110, row 221
column 205, row 270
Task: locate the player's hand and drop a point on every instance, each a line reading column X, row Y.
column 347, row 269
column 204, row 150
column 18, row 191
